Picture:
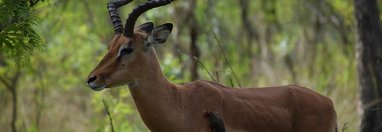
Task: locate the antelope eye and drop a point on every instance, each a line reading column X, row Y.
column 126, row 51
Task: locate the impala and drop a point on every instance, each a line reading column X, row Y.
column 168, row 107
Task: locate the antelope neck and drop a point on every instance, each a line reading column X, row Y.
column 156, row 97
column 151, row 80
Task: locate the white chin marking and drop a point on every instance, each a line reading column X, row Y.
column 96, row 88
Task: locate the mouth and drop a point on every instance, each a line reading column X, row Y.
column 96, row 87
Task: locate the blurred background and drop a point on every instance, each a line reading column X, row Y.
column 52, row 46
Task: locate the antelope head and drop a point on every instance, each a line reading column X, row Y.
column 130, row 53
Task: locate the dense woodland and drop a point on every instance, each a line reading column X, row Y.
column 48, row 48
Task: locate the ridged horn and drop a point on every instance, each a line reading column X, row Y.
column 114, row 16
column 133, row 16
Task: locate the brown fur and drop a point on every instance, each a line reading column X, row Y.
column 168, row 107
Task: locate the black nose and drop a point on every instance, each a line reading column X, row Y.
column 92, row 79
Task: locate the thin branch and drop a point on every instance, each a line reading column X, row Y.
column 89, row 12
column 345, row 127
column 226, row 59
column 5, row 83
column 205, row 68
column 231, row 82
column 108, row 114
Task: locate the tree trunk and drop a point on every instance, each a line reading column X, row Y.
column 247, row 26
column 369, row 50
column 194, row 49
column 13, row 89
column 14, row 109
column 11, row 85
column 195, row 53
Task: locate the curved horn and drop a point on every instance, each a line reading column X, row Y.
column 114, row 16
column 133, row 16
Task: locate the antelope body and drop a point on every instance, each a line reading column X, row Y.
column 168, row 107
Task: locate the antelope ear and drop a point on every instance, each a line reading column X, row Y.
column 145, row 28
column 159, row 34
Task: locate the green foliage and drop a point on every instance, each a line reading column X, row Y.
column 18, row 38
